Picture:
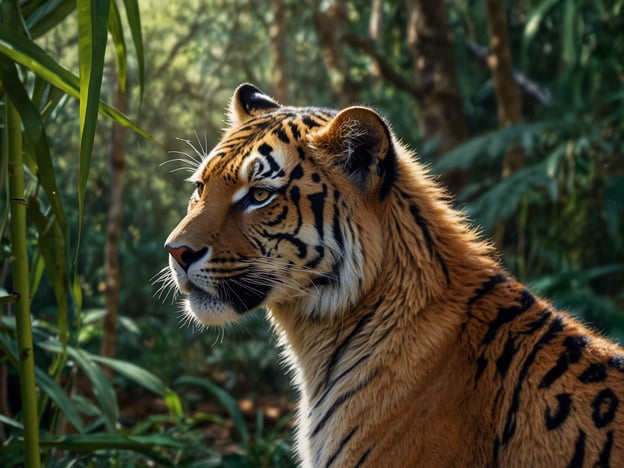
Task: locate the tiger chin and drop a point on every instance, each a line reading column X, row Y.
column 410, row 344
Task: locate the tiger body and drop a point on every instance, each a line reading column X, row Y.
column 409, row 343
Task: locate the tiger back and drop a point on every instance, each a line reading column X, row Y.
column 409, row 344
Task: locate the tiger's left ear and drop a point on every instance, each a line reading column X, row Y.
column 360, row 142
column 247, row 102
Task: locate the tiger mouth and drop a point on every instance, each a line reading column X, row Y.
column 240, row 293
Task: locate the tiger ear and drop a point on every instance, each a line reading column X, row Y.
column 359, row 141
column 247, row 102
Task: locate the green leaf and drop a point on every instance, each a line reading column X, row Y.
column 35, row 131
column 8, row 299
column 147, row 445
column 45, row 383
column 102, row 387
column 116, row 31
column 10, row 422
column 224, row 398
column 491, row 145
column 144, row 378
column 92, row 34
column 134, row 22
column 53, row 249
column 545, row 284
column 533, row 23
column 31, row 56
column 46, row 15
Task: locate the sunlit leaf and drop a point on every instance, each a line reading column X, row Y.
column 532, row 25
column 31, row 56
column 134, row 22
column 35, row 131
column 116, row 30
column 92, row 34
column 145, row 379
column 41, row 17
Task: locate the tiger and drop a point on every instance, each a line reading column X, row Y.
column 408, row 341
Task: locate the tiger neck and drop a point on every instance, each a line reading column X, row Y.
column 399, row 330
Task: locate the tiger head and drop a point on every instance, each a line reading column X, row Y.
column 285, row 213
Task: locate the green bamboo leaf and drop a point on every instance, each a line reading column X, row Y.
column 46, row 384
column 53, row 249
column 491, row 145
column 116, row 31
column 146, row 445
column 144, row 378
column 30, row 55
column 134, row 22
column 533, row 23
column 224, row 398
column 35, row 131
column 10, row 422
column 92, row 34
column 8, row 299
column 41, row 17
column 102, row 387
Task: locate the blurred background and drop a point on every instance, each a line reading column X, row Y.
column 518, row 106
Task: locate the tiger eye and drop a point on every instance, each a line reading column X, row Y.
column 259, row 195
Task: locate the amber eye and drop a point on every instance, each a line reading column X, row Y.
column 259, row 195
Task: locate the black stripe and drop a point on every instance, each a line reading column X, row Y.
column 555, row 327
column 429, row 240
column 340, row 376
column 281, row 134
column 342, row 444
column 294, row 130
column 574, row 346
column 564, row 404
column 594, row 373
column 485, row 288
column 387, row 167
column 504, row 360
column 296, row 173
column 317, row 204
column 341, row 400
column 579, row 452
column 307, row 120
column 423, row 227
column 279, row 218
column 363, row 458
column 481, row 365
column 605, row 456
column 604, row 407
column 507, row 314
column 340, row 349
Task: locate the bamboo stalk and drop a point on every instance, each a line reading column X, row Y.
column 19, row 259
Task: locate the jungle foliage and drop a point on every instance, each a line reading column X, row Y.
column 558, row 220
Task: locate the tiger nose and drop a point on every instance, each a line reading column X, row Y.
column 184, row 255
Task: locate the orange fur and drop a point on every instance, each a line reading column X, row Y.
column 409, row 343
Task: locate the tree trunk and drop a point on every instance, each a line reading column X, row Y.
column 508, row 102
column 278, row 50
column 330, row 23
column 375, row 29
column 441, row 113
column 113, row 232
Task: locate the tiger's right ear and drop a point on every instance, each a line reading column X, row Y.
column 247, row 102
